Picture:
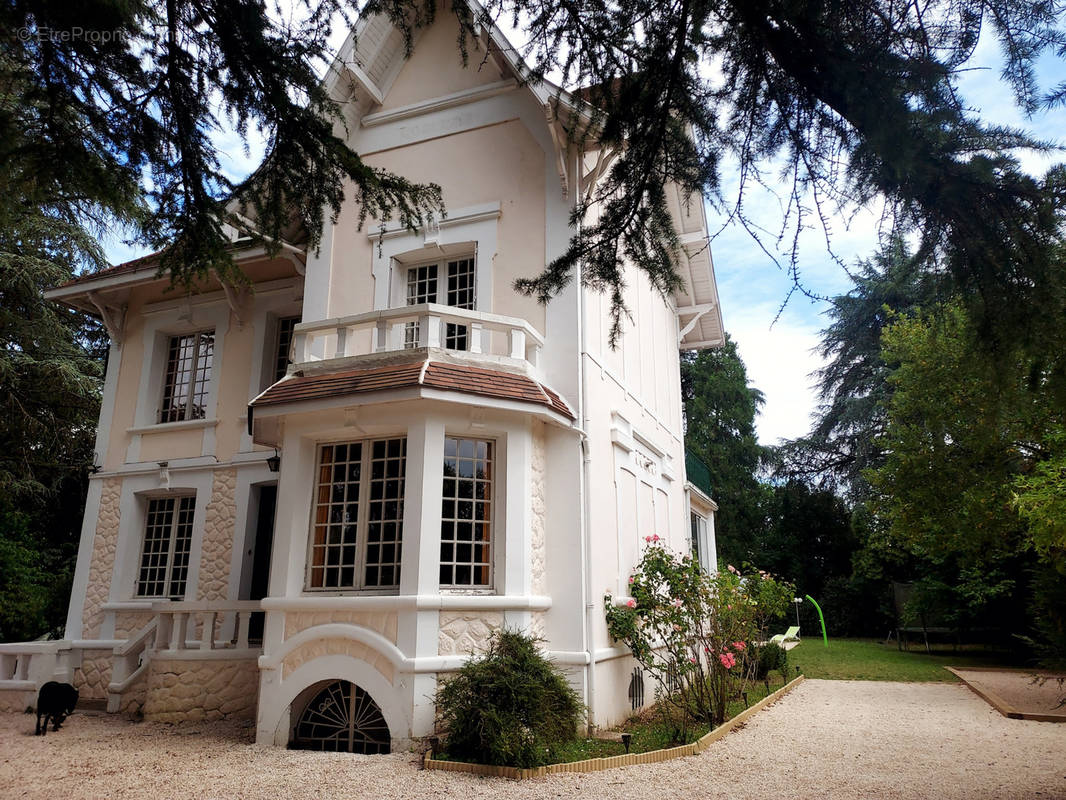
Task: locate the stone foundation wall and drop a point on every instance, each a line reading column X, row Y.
column 219, row 522
column 94, row 674
column 193, row 691
column 465, row 632
column 128, row 623
column 382, row 622
column 102, row 565
column 337, row 647
column 16, row 701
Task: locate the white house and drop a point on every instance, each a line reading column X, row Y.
column 454, row 456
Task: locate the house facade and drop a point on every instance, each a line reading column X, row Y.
column 320, row 493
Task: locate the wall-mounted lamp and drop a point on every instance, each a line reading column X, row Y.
column 274, row 461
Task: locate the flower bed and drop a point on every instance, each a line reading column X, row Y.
column 609, row 762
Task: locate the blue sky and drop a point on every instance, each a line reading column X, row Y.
column 780, row 355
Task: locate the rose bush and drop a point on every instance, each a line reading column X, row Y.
column 688, row 630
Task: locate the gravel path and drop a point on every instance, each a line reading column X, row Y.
column 827, row 739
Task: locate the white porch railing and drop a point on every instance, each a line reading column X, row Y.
column 424, row 325
column 204, row 627
column 28, row 665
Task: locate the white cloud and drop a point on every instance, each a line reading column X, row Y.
column 780, row 361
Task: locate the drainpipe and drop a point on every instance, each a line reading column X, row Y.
column 586, row 544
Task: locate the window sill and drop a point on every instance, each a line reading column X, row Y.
column 187, row 424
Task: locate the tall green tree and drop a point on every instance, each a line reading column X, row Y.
column 962, row 436
column 857, row 99
column 51, row 357
column 845, row 439
column 720, row 408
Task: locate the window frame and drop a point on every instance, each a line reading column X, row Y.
column 454, row 333
column 698, row 540
column 172, row 544
column 362, row 523
column 496, row 458
column 279, row 322
column 206, row 386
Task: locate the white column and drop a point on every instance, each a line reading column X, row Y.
column 420, row 561
column 514, row 536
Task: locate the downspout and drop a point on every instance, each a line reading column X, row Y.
column 583, row 499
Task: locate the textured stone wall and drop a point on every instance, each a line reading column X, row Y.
column 464, row 632
column 191, row 691
column 383, row 622
column 102, row 565
column 94, row 674
column 337, row 647
column 128, row 623
column 15, row 700
column 219, row 522
column 538, row 550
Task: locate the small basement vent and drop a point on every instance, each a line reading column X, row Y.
column 636, row 689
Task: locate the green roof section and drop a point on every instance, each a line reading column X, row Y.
column 698, row 473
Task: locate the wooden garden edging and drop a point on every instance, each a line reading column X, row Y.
column 626, row 760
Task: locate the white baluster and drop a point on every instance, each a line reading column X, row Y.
column 518, row 343
column 299, row 348
column 475, row 337
column 177, row 630
column 429, row 326
column 207, row 632
column 534, row 356
column 243, row 620
column 342, row 343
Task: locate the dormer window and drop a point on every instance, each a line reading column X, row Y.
column 449, row 283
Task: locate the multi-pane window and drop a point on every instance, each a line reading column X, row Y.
column 457, row 290
column 421, row 288
column 283, row 346
column 167, row 542
column 466, row 514
column 188, row 376
column 357, row 528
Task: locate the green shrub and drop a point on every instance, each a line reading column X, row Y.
column 771, row 656
column 509, row 707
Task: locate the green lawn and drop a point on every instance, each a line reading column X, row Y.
column 870, row 660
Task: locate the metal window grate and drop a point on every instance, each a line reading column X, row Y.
column 167, row 543
column 636, row 688
column 188, row 376
column 342, row 718
column 284, row 346
column 466, row 514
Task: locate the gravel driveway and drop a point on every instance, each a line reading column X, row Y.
column 827, row 739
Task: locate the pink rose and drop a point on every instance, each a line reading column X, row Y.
column 728, row 660
column 676, row 602
column 677, row 627
column 739, row 646
column 693, row 660
column 631, row 603
column 630, row 578
column 655, row 537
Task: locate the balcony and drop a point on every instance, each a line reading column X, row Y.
column 485, row 337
